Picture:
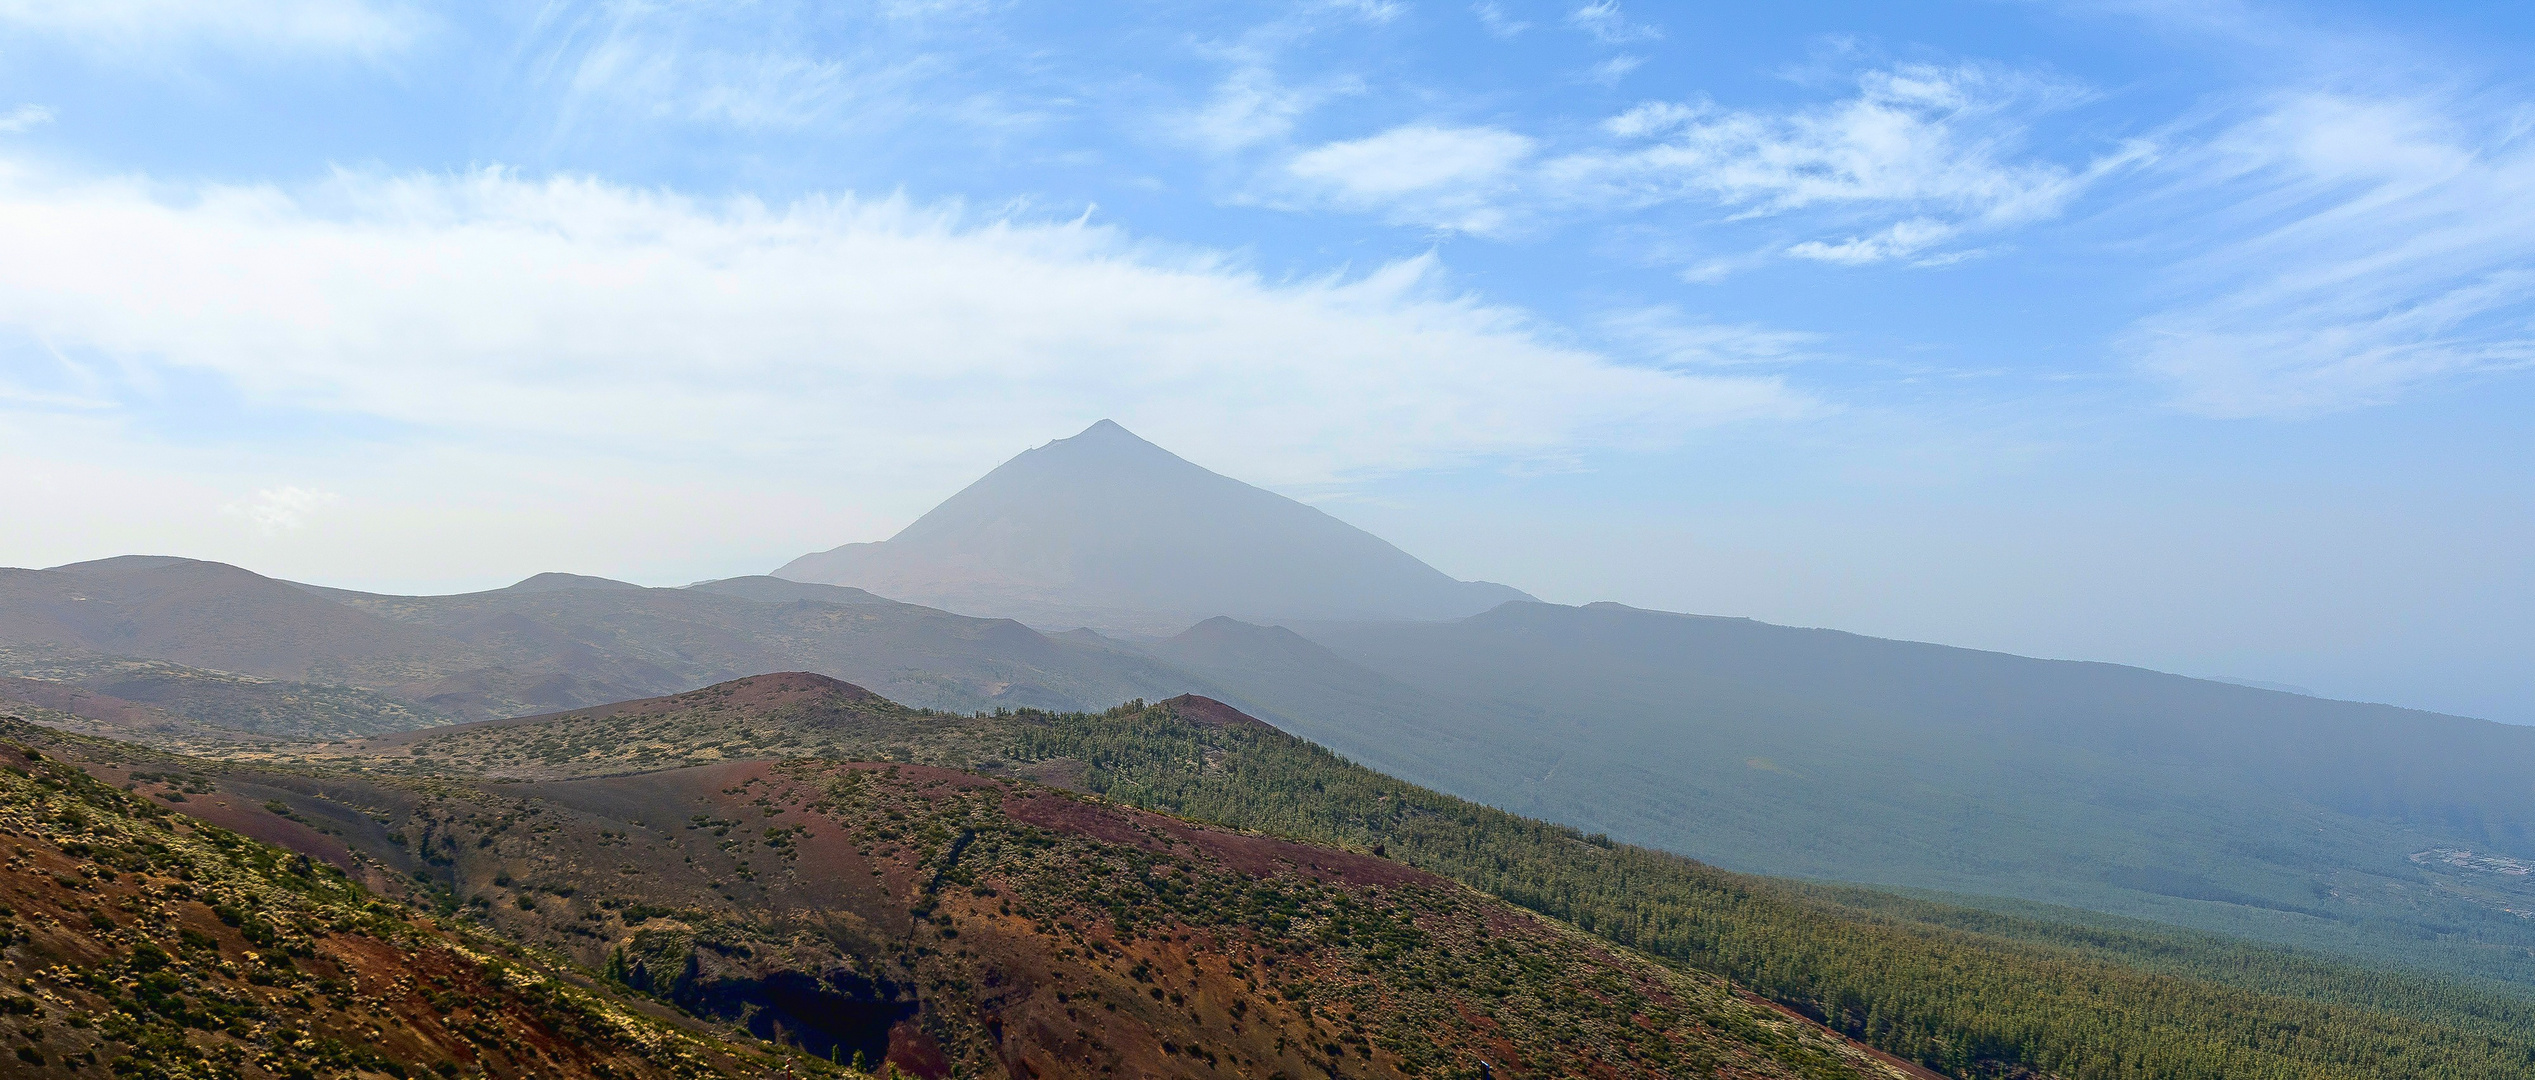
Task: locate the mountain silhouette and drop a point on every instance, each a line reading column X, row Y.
column 1105, row 529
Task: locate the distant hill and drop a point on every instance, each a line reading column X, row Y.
column 553, row 581
column 205, row 615
column 784, row 591
column 1107, row 530
column 224, row 646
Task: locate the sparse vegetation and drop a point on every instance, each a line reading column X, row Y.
column 138, row 942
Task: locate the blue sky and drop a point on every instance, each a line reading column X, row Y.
column 2190, row 335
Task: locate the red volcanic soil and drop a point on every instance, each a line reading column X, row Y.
column 64, row 697
column 236, row 812
column 1208, row 712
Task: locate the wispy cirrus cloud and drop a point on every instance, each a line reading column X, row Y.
column 2350, row 247
column 1493, row 18
column 1917, row 159
column 1900, row 240
column 1610, row 72
column 133, row 29
column 1444, row 177
column 24, row 117
column 1254, row 106
column 1933, row 151
column 1608, row 24
column 1664, row 335
column 744, row 90
column 282, row 510
column 686, row 62
column 1257, row 102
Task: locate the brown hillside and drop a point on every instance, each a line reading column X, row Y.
column 137, row 942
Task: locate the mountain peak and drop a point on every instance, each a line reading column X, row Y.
column 1105, row 446
column 1107, row 430
column 1106, row 530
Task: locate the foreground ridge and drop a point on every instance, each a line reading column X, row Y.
column 940, row 922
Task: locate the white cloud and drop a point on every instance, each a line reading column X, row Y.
column 695, row 63
column 2361, row 245
column 1653, row 118
column 1611, row 71
column 1413, row 158
column 1497, row 22
column 1901, row 241
column 1920, row 158
column 1933, row 151
column 1372, row 11
column 747, row 90
column 24, row 117
column 1250, row 107
column 1665, row 335
column 1607, row 23
column 1444, row 177
column 282, row 510
column 115, row 27
column 579, row 321
column 1912, row 136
